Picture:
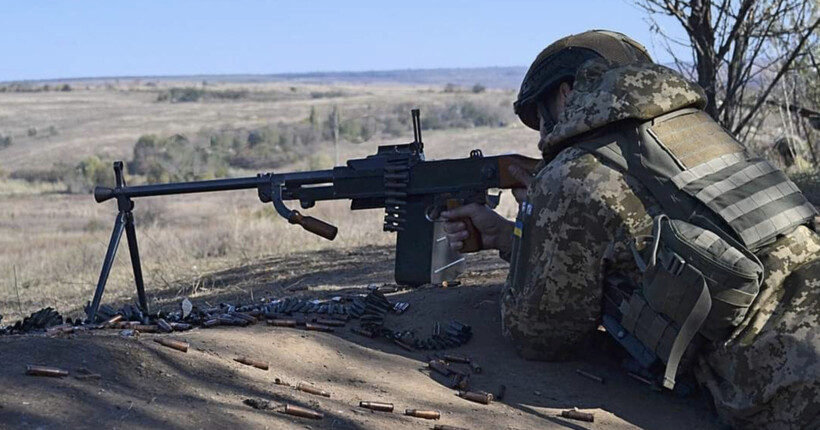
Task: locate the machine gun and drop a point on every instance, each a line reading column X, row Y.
column 412, row 191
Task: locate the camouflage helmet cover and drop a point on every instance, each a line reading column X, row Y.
column 560, row 60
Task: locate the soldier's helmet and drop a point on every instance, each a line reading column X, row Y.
column 559, row 61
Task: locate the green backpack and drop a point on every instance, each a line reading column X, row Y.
column 720, row 204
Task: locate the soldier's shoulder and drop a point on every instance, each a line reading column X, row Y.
column 575, row 169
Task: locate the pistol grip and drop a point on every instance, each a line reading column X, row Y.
column 473, row 241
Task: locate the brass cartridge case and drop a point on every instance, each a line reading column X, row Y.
column 146, row 328
column 440, row 367
column 259, row 364
column 282, row 323
column 164, row 326
column 318, row 327
column 483, row 398
column 446, row 427
column 363, row 332
column 312, row 390
column 453, row 358
column 575, row 414
column 173, row 344
column 418, row 413
column 476, row 367
column 377, row 406
column 303, row 412
column 330, row 322
column 34, row 370
column 181, row 326
column 112, row 321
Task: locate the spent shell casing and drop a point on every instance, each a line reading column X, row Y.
column 483, row 398
column 278, row 381
column 453, row 358
column 164, row 326
column 173, row 344
column 213, row 322
column 34, row 370
column 181, row 326
column 112, row 321
column 259, row 364
column 476, row 367
column 282, row 323
column 363, row 332
column 403, row 345
column 418, row 413
column 303, row 412
column 575, row 414
column 330, row 322
column 312, row 390
column 447, row 427
column 460, row 381
column 318, row 327
column 440, row 367
column 146, row 328
column 377, row 406
column 595, row 378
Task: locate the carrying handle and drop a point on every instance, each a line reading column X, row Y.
column 313, row 225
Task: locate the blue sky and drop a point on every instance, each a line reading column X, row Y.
column 50, row 39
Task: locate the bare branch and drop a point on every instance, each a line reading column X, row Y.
column 779, row 75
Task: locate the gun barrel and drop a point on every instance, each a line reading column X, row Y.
column 102, row 194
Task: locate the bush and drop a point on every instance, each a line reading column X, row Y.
column 478, row 88
column 5, row 141
column 32, row 131
column 52, row 130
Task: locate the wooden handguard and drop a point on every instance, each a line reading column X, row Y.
column 473, row 241
column 507, row 180
column 313, row 225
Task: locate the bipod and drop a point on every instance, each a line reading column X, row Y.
column 124, row 221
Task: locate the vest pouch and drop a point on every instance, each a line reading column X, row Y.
column 686, row 253
column 701, row 282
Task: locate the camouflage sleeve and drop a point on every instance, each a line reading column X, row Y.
column 579, row 215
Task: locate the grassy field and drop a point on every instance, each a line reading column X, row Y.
column 52, row 243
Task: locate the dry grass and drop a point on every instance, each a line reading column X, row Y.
column 55, row 242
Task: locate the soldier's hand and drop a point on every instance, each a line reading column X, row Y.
column 523, row 177
column 495, row 230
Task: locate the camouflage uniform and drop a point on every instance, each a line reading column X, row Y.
column 574, row 228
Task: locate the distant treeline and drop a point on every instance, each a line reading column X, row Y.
column 214, row 153
column 28, row 88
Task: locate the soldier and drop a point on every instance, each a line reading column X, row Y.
column 628, row 152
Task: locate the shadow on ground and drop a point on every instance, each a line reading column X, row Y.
column 147, row 386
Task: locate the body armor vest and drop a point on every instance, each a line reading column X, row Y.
column 720, row 204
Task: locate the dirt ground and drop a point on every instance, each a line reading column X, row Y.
column 145, row 385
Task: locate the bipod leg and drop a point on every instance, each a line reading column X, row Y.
column 131, row 235
column 113, row 244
